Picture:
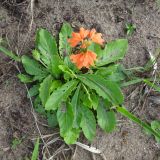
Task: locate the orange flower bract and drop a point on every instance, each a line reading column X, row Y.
column 78, row 37
column 82, row 34
column 84, row 59
column 96, row 37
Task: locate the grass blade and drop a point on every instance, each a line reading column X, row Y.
column 152, row 85
column 130, row 116
column 10, row 54
column 35, row 151
column 131, row 82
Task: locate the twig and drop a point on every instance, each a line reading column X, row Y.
column 46, row 136
column 30, row 25
column 64, row 156
column 93, row 156
column 103, row 156
column 32, row 15
column 88, row 148
column 74, row 154
column 51, row 142
column 57, row 151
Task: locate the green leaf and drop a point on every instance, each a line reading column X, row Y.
column 71, row 136
column 131, row 82
column 10, row 54
column 65, row 33
column 54, row 66
column 86, row 97
column 88, row 123
column 65, row 118
column 44, row 90
column 60, row 95
column 33, row 91
column 32, row 67
column 76, row 107
column 96, row 48
column 71, row 65
column 67, row 70
column 155, row 125
column 38, row 106
column 48, row 49
column 107, row 89
column 106, row 119
column 46, row 43
column 52, row 119
column 35, row 151
column 55, row 84
column 105, row 71
column 117, row 77
column 112, row 73
column 66, row 30
column 95, row 100
column 25, row 78
column 113, row 52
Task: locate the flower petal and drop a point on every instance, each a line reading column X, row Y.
column 84, row 59
column 96, row 37
column 76, row 38
column 83, row 33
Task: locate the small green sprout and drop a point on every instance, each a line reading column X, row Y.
column 15, row 143
column 130, row 28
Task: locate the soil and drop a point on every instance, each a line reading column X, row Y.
column 109, row 17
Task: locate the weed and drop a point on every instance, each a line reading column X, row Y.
column 130, row 28
column 15, row 143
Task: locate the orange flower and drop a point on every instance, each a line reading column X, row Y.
column 78, row 37
column 96, row 37
column 84, row 59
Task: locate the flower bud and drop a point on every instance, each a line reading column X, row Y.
column 36, row 55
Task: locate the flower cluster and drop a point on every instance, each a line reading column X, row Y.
column 84, row 38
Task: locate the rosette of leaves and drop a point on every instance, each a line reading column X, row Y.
column 77, row 101
column 74, row 100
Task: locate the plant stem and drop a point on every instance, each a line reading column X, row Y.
column 135, row 119
column 43, row 63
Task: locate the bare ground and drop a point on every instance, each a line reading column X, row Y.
column 128, row 142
